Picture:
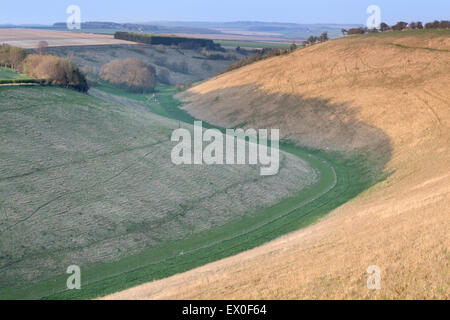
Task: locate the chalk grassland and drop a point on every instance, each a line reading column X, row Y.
column 91, row 183
column 30, row 38
column 384, row 95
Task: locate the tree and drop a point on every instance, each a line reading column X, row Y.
column 412, row 25
column 323, row 37
column 293, row 47
column 132, row 74
column 42, row 47
column 55, row 70
column 419, row 25
column 17, row 55
column 11, row 57
column 164, row 76
column 384, row 27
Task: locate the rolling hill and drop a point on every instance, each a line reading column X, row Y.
column 384, row 96
column 91, row 183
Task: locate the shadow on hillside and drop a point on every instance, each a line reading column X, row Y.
column 314, row 123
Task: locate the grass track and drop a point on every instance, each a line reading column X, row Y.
column 341, row 180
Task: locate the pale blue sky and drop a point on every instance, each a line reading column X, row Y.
column 299, row 11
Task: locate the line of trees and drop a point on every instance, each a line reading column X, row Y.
column 181, row 42
column 11, row 57
column 313, row 39
column 400, row 26
column 48, row 69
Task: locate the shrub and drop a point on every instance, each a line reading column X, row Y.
column 11, row 57
column 356, row 31
column 164, row 76
column 293, row 47
column 401, row 25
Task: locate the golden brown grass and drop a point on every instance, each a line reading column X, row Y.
column 343, row 95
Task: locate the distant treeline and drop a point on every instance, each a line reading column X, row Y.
column 48, row 69
column 181, row 42
column 400, row 26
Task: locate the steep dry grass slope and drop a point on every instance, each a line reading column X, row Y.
column 347, row 95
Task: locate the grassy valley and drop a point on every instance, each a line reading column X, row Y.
column 383, row 97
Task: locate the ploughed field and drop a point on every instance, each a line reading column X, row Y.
column 84, row 182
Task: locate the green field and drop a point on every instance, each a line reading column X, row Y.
column 12, row 76
column 340, row 180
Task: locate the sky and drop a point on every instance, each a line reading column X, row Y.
column 298, row 11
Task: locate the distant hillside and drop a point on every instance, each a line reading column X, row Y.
column 136, row 27
column 267, row 29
